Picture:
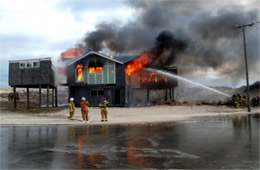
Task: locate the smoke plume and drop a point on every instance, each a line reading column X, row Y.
column 190, row 34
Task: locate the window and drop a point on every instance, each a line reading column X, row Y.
column 101, row 72
column 98, row 70
column 96, row 92
column 100, row 92
column 79, row 69
column 93, row 92
column 22, row 65
column 29, row 65
column 111, row 75
column 91, row 70
column 36, row 64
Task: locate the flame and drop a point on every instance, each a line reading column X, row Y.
column 66, row 55
column 91, row 70
column 140, row 62
column 79, row 71
column 71, row 53
column 152, row 77
column 98, row 70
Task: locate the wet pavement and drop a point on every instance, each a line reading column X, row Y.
column 212, row 143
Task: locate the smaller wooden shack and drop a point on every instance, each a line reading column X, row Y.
column 33, row 73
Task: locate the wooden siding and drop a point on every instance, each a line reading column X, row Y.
column 82, row 89
column 23, row 77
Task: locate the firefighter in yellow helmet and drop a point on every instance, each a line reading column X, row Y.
column 103, row 107
column 71, row 109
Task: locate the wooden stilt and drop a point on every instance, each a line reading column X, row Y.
column 131, row 95
column 166, row 94
column 14, row 92
column 47, row 96
column 173, row 93
column 52, row 98
column 56, row 97
column 170, row 93
column 40, row 96
column 148, row 95
column 28, row 98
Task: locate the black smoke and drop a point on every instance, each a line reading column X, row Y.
column 190, row 34
column 167, row 47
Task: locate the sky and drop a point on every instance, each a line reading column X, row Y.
column 46, row 28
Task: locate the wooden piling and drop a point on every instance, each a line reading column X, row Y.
column 56, row 97
column 40, row 96
column 14, row 92
column 47, row 96
column 170, row 93
column 148, row 95
column 166, row 94
column 28, row 98
column 52, row 98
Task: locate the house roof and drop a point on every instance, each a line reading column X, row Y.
column 33, row 59
column 124, row 59
column 96, row 53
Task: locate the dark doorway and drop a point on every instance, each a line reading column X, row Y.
column 117, row 96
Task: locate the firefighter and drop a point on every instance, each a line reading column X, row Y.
column 84, row 109
column 71, row 109
column 103, row 107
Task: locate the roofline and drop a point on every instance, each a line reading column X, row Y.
column 33, row 59
column 93, row 52
column 132, row 59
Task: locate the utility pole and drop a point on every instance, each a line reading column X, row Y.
column 247, row 79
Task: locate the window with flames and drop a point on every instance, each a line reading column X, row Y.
column 96, row 72
column 101, row 72
column 79, row 72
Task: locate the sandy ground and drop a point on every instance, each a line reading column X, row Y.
column 151, row 114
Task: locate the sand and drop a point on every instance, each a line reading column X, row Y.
column 116, row 115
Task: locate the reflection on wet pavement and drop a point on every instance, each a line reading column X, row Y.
column 227, row 143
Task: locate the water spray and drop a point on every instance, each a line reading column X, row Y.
column 170, row 75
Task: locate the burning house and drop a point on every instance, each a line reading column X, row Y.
column 120, row 79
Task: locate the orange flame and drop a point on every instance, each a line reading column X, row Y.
column 152, row 77
column 71, row 53
column 98, row 70
column 79, row 72
column 140, row 62
column 91, row 70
